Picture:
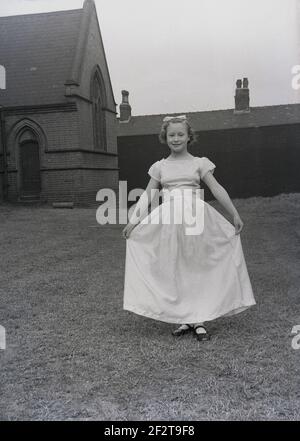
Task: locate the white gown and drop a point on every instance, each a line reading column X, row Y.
column 179, row 277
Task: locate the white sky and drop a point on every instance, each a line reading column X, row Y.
column 184, row 56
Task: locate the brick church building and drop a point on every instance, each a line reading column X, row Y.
column 58, row 138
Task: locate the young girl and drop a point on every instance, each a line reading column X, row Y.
column 177, row 277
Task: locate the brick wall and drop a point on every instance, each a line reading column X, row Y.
column 262, row 161
column 85, row 128
column 78, row 186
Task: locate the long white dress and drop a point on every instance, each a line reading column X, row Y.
column 177, row 276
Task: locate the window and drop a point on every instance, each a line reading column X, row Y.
column 98, row 103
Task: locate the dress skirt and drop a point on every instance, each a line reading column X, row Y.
column 185, row 264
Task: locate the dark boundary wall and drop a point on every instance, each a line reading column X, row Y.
column 260, row 161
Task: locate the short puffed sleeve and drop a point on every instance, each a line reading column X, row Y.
column 205, row 166
column 154, row 171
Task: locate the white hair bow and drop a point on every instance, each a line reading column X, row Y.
column 169, row 118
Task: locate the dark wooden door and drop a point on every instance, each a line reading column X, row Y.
column 30, row 169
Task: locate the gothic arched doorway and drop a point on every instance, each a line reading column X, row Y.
column 30, row 168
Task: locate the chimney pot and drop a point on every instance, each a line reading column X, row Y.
column 245, row 83
column 238, row 84
column 125, row 108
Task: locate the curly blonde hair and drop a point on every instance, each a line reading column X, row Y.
column 163, row 131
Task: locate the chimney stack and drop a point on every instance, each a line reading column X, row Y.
column 125, row 108
column 242, row 96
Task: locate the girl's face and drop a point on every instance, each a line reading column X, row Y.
column 177, row 137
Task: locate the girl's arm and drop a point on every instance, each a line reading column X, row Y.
column 222, row 196
column 141, row 206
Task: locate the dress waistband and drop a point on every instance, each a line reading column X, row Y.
column 182, row 193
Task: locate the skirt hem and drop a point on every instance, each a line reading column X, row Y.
column 232, row 311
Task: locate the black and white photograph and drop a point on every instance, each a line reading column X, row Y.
column 150, row 212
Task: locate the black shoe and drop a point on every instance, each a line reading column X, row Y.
column 183, row 329
column 201, row 336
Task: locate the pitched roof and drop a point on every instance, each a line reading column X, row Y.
column 37, row 52
column 216, row 119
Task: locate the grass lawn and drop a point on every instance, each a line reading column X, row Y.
column 74, row 354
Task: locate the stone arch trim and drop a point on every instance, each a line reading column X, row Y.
column 18, row 128
column 97, row 74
